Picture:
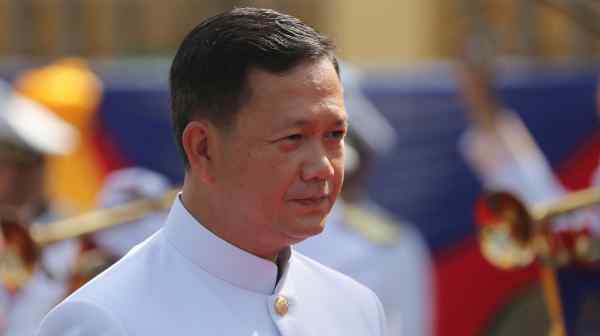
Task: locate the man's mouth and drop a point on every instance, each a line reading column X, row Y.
column 312, row 201
column 318, row 203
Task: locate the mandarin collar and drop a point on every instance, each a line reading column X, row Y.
column 217, row 256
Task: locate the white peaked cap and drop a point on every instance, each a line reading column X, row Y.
column 366, row 121
column 31, row 124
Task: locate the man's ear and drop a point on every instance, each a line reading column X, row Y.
column 197, row 144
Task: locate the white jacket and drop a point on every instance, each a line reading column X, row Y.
column 184, row 280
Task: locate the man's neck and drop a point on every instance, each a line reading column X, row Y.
column 212, row 218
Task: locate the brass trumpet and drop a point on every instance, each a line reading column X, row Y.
column 22, row 246
column 513, row 236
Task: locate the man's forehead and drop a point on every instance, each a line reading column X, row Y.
column 316, row 74
column 335, row 118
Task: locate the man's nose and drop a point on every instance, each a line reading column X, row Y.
column 317, row 167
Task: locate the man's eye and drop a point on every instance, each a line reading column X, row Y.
column 294, row 137
column 336, row 135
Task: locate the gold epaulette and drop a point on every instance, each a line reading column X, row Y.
column 376, row 228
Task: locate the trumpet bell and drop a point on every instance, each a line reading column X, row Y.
column 505, row 230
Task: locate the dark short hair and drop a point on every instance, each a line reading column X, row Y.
column 209, row 71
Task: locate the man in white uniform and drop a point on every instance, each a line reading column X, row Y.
column 259, row 115
column 28, row 134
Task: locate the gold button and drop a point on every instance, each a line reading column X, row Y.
column 281, row 305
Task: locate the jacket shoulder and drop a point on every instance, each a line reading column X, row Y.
column 79, row 318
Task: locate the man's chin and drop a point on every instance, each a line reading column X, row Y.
column 306, row 229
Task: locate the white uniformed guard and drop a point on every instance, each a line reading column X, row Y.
column 362, row 241
column 259, row 115
column 27, row 128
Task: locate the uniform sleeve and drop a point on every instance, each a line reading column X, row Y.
column 79, row 318
column 492, row 156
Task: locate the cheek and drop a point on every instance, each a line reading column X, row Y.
column 266, row 172
column 338, row 168
column 282, row 174
column 282, row 177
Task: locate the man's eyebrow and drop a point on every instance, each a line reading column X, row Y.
column 301, row 123
column 342, row 122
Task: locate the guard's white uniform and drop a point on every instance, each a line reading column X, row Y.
column 186, row 281
column 398, row 269
column 23, row 311
column 30, row 125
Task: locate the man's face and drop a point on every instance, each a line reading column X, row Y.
column 281, row 168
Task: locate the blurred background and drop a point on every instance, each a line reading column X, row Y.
column 540, row 58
